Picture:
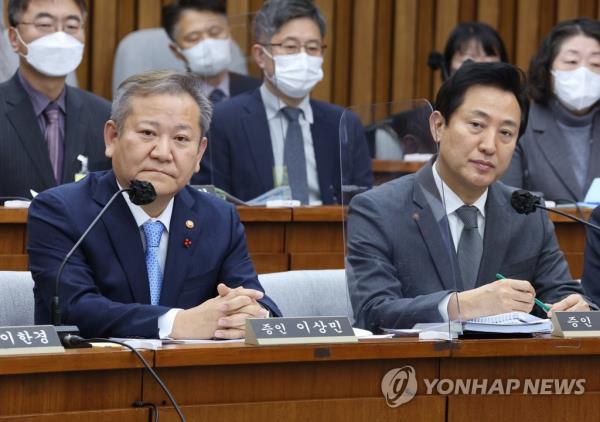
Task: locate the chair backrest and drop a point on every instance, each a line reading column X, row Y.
column 16, row 298
column 148, row 49
column 309, row 293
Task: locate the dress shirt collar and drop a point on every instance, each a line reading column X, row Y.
column 207, row 88
column 451, row 199
column 39, row 100
column 140, row 215
column 273, row 104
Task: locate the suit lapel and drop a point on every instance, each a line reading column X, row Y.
column 594, row 162
column 434, row 229
column 179, row 256
column 258, row 137
column 326, row 141
column 74, row 134
column 125, row 237
column 21, row 116
column 497, row 235
column 554, row 148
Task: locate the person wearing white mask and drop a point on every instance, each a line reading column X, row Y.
column 201, row 39
column 44, row 123
column 258, row 138
column 559, row 154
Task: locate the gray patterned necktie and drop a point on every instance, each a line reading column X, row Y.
column 470, row 246
column 293, row 155
column 52, row 137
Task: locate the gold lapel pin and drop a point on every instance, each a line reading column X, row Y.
column 189, row 224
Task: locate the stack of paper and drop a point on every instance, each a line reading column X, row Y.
column 512, row 322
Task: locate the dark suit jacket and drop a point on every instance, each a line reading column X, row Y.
column 401, row 260
column 591, row 266
column 240, row 159
column 104, row 287
column 541, row 160
column 239, row 84
column 24, row 159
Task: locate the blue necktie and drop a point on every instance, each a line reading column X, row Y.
column 216, row 96
column 153, row 231
column 293, row 155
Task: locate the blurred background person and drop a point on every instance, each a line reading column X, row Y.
column 476, row 41
column 559, row 154
column 201, row 38
column 46, row 125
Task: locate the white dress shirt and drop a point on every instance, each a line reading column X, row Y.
column 165, row 321
column 452, row 202
column 278, row 125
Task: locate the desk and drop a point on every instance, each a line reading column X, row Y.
column 386, row 170
column 281, row 239
column 82, row 384
column 329, row 383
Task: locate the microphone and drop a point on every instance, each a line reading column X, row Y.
column 140, row 193
column 524, row 202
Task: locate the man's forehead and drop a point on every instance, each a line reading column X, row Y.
column 180, row 107
column 53, row 7
column 190, row 20
column 298, row 28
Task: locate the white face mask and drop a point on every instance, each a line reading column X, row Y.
column 296, row 74
column 55, row 54
column 577, row 89
column 209, row 57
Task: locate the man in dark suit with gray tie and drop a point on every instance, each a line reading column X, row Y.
column 277, row 135
column 414, row 241
column 45, row 124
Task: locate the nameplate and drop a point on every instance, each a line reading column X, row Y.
column 29, row 340
column 576, row 324
column 270, row 331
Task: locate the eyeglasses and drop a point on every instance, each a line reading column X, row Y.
column 48, row 25
column 312, row 48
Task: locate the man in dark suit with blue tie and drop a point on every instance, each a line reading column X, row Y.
column 177, row 267
column 430, row 247
column 45, row 124
column 276, row 134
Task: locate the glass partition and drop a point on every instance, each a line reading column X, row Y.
column 400, row 260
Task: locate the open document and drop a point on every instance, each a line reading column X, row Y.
column 512, row 322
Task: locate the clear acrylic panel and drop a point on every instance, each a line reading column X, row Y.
column 399, row 257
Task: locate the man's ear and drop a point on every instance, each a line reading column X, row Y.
column 111, row 135
column 201, row 150
column 259, row 56
column 15, row 41
column 437, row 123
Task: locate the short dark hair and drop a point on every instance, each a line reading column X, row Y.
column 16, row 8
column 539, row 77
column 171, row 13
column 275, row 13
column 464, row 32
column 503, row 76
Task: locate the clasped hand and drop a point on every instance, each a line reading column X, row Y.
column 223, row 316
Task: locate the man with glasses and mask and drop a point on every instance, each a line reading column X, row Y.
column 278, row 126
column 202, row 40
column 45, row 124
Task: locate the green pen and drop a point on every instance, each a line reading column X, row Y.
column 538, row 302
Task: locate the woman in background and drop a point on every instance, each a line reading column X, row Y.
column 559, row 154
